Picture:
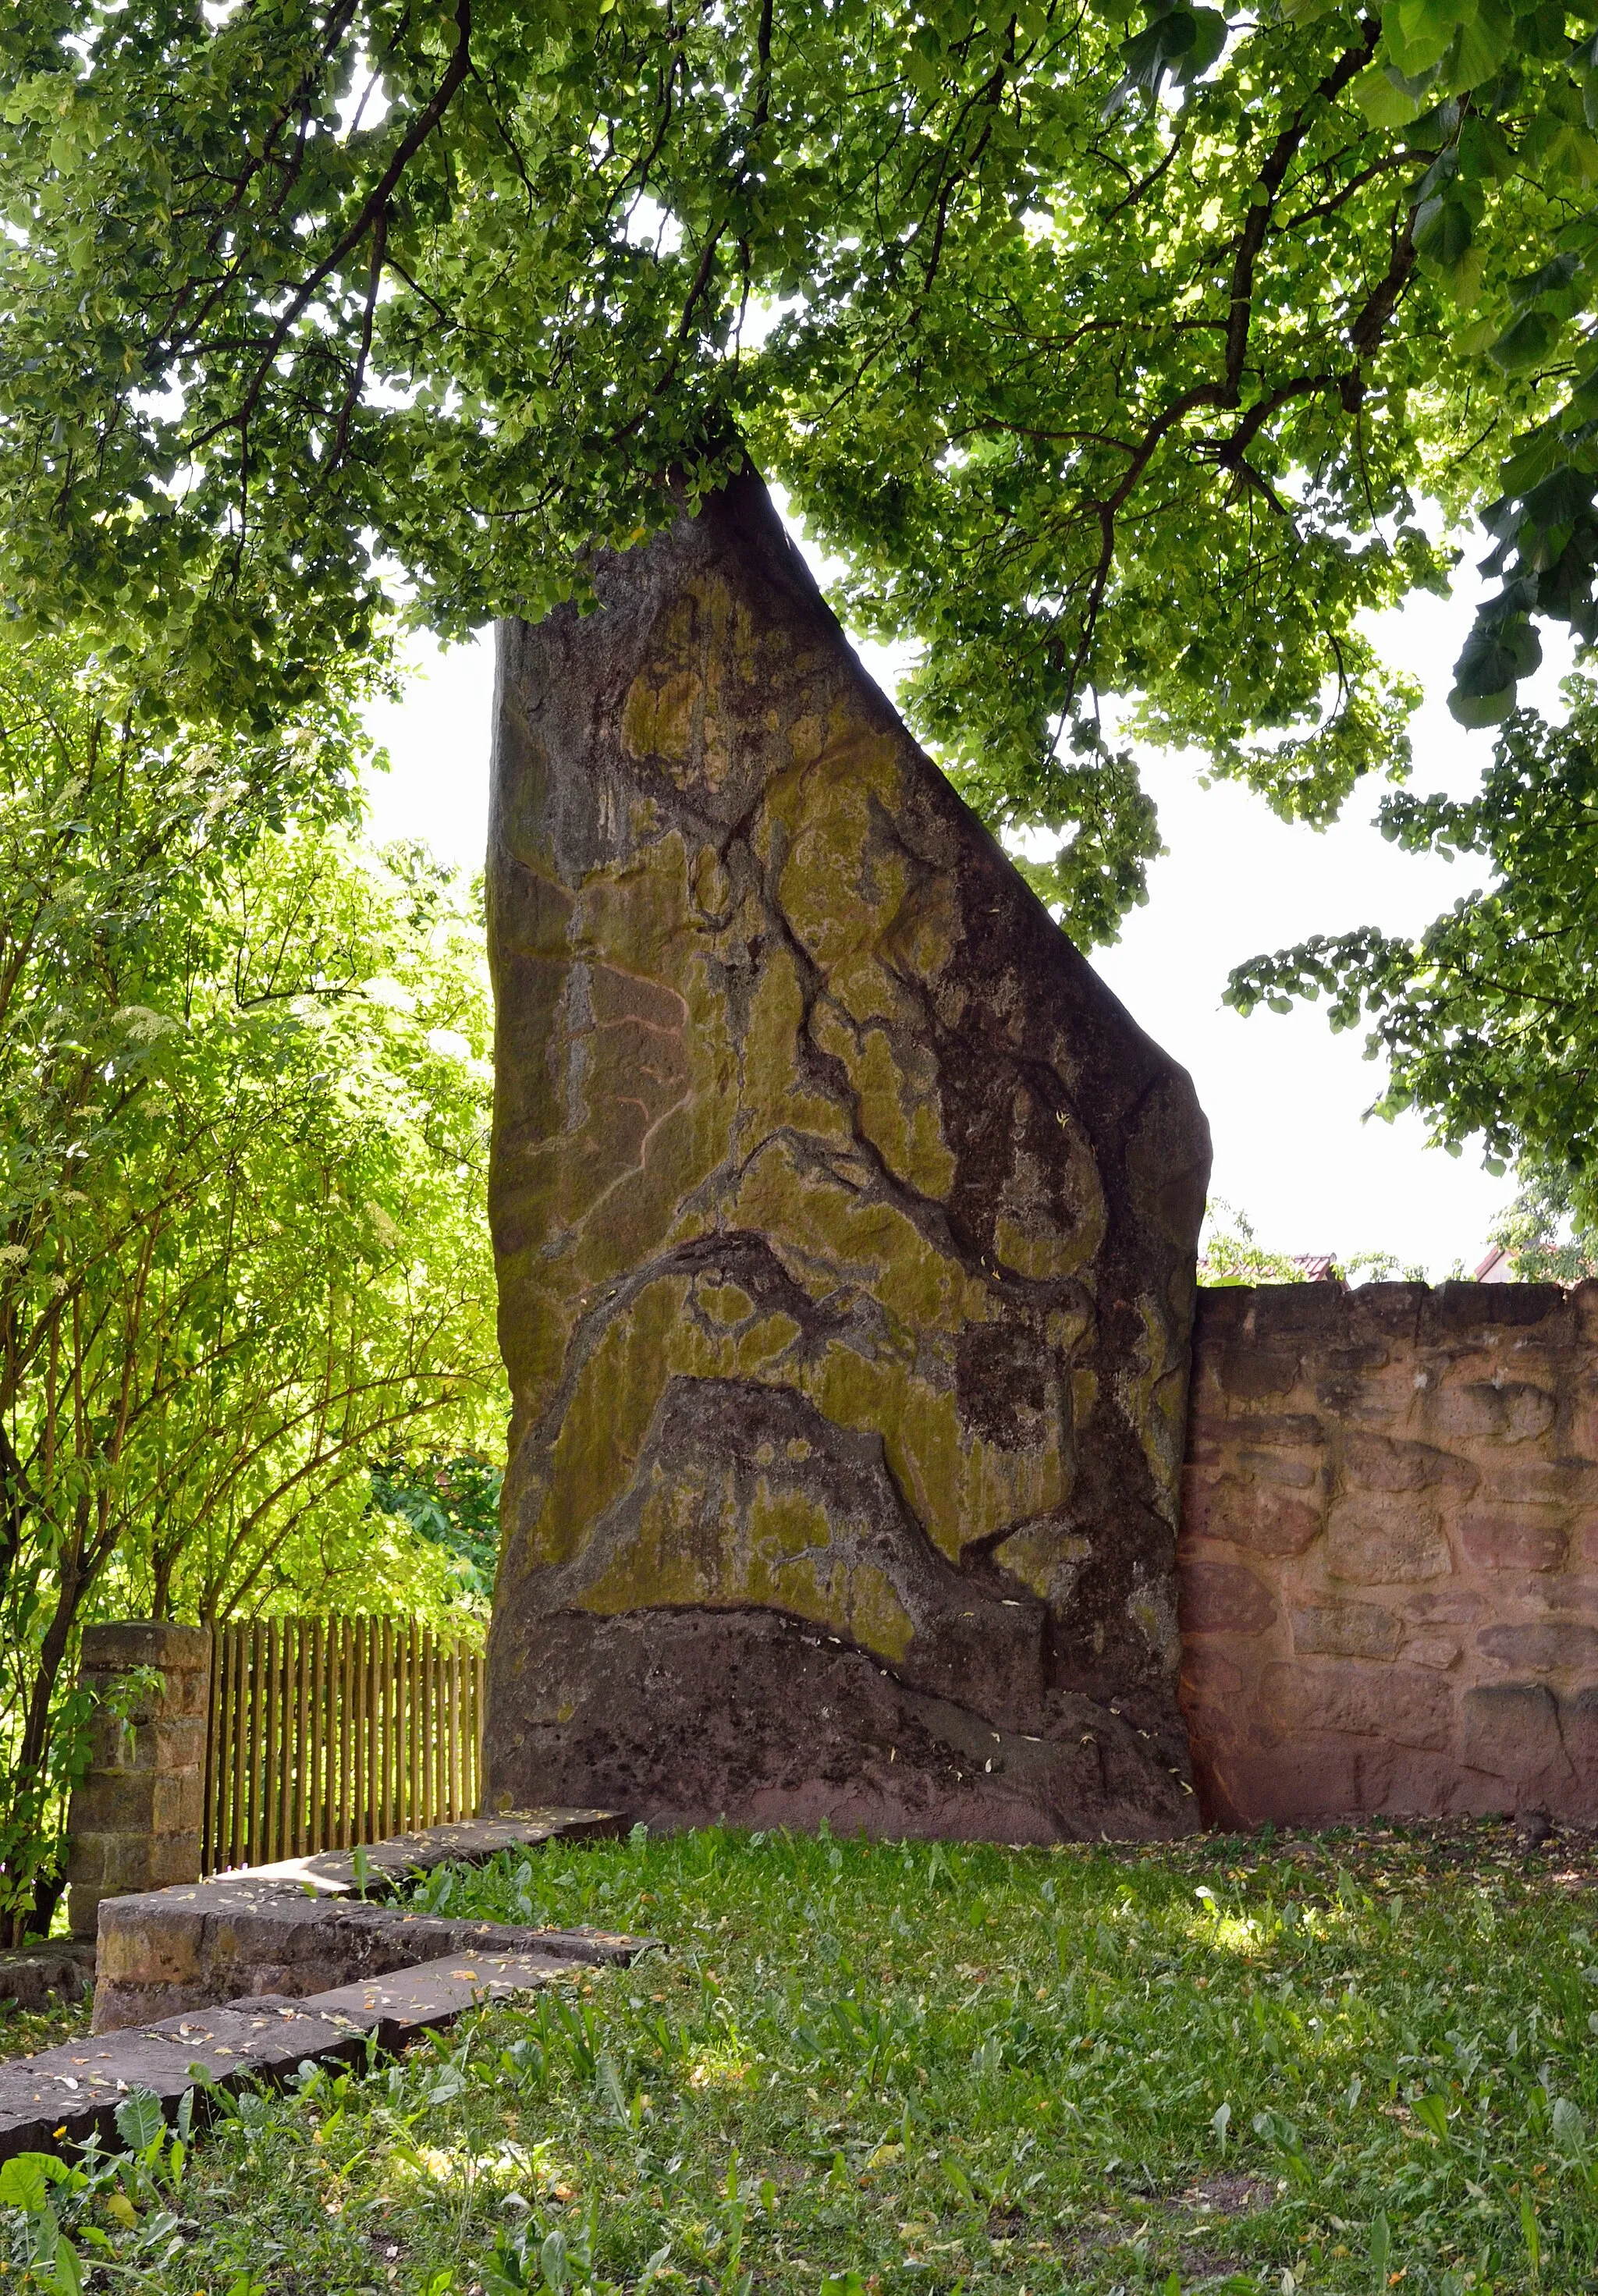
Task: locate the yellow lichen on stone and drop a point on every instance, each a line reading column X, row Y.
column 1150, row 1394
column 899, row 1111
column 769, row 1093
column 1043, row 1559
column 867, row 1239
column 701, row 1545
column 726, row 1303
column 1045, row 1254
column 601, row 1432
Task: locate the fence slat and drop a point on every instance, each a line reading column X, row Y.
column 386, row 1767
column 345, row 1726
column 435, row 1735
column 236, row 1851
column 412, row 1732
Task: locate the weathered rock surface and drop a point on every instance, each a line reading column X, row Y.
column 1389, row 1567
column 846, row 1229
column 33, row 1975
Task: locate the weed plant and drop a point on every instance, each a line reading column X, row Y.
column 1350, row 2064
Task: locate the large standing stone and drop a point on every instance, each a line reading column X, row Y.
column 846, row 1230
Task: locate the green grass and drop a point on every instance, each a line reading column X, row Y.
column 1340, row 2063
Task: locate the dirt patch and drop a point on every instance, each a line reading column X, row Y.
column 1222, row 2195
column 1161, row 2234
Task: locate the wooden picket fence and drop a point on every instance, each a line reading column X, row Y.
column 329, row 1731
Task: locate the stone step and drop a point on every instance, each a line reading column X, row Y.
column 294, row 1931
column 466, row 1842
column 407, row 2003
column 56, row 2101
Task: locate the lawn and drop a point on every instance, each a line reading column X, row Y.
column 1347, row 2062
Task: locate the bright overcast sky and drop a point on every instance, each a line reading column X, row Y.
column 1286, row 1098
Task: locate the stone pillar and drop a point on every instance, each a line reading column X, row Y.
column 845, row 1227
column 135, row 1818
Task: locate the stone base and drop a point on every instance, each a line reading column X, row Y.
column 36, row 1975
column 686, row 1717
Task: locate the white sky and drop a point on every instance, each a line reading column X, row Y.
column 1286, row 1098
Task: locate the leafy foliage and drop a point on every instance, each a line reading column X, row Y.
column 453, row 1502
column 950, row 2066
column 240, row 1076
column 1093, row 393
column 1484, row 1021
column 1229, row 1254
column 1544, row 1241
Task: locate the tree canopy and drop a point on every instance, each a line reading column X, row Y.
column 1131, row 351
column 1112, row 357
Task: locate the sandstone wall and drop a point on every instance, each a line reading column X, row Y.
column 845, row 1228
column 1390, row 1553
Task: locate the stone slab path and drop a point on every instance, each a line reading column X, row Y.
column 253, row 1974
column 56, row 2101
column 301, row 1928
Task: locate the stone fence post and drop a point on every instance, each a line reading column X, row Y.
column 135, row 1818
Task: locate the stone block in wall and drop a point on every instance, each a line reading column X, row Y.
column 1370, row 1545
column 180, row 1655
column 1255, row 1375
column 844, row 1225
column 1502, row 1542
column 1407, row 1706
column 1551, row 1645
column 135, row 1818
column 1512, row 1731
column 1510, row 1411
column 1256, row 1515
column 1386, row 1462
column 1557, row 1482
column 1452, row 1311
column 1225, row 1598
column 1348, row 1630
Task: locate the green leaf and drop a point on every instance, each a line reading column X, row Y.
column 1209, row 39
column 1443, row 231
column 140, row 2120
column 1418, row 33
column 1383, row 100
column 1527, row 343
column 1381, row 2248
column 1432, row 2112
column 25, row 2180
column 1484, row 154
column 1486, row 39
column 1531, row 2233
column 1553, row 279
column 1484, row 679
column 66, row 2271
